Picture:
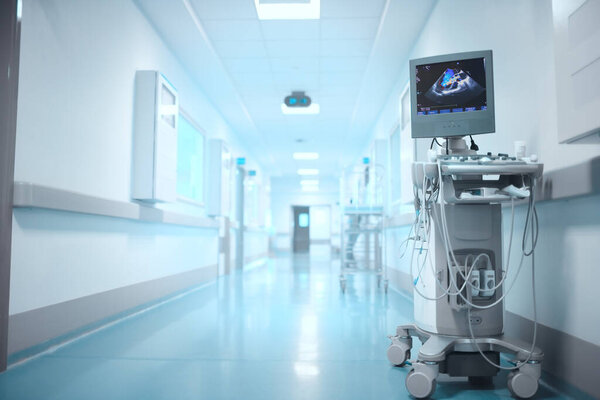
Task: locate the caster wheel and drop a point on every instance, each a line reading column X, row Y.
column 398, row 355
column 420, row 385
column 521, row 385
column 385, row 286
column 343, row 286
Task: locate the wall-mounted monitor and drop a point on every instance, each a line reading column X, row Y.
column 452, row 95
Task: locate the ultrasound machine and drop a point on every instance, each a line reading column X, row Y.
column 459, row 265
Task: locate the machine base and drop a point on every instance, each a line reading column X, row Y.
column 442, row 354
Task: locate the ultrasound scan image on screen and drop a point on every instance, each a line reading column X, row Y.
column 451, row 87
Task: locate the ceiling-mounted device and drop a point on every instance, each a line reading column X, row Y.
column 297, row 99
column 299, row 103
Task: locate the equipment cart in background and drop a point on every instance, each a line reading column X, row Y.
column 362, row 219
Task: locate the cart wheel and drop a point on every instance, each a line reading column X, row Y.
column 420, row 385
column 385, row 286
column 522, row 385
column 378, row 281
column 343, row 285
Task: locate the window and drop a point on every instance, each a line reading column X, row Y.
column 303, row 220
column 405, row 108
column 395, row 178
column 190, row 160
column 402, row 148
column 407, row 149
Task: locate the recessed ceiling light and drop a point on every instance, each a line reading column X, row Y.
column 309, row 182
column 306, row 156
column 282, row 10
column 308, row 171
column 312, row 109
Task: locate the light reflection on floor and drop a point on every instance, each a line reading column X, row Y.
column 279, row 331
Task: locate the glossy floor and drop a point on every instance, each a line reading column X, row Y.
column 279, row 331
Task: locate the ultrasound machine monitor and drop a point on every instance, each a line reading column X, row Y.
column 452, row 95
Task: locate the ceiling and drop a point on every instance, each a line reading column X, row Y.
column 347, row 61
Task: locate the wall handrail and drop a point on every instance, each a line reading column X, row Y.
column 32, row 195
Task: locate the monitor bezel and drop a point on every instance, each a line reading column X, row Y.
column 453, row 124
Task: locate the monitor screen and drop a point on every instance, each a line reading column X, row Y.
column 452, row 95
column 450, row 87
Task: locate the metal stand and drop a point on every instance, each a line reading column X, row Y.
column 364, row 224
column 421, row 380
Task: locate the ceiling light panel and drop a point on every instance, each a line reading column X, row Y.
column 287, row 11
column 310, row 110
column 306, row 156
column 308, row 171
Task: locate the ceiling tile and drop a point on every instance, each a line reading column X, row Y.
column 266, row 60
column 292, row 48
column 247, row 65
column 337, row 101
column 295, row 64
column 290, row 29
column 346, row 48
column 297, row 81
column 345, row 64
column 351, row 8
column 229, row 9
column 328, row 89
column 352, row 28
column 240, row 29
column 239, row 49
column 252, row 79
column 341, row 78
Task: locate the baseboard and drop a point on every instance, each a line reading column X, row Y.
column 567, row 357
column 570, row 358
column 31, row 332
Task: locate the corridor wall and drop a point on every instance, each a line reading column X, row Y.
column 74, row 134
column 521, row 37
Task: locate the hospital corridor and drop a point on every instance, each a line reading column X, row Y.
column 299, row 199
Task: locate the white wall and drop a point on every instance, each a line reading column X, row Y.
column 520, row 33
column 58, row 256
column 256, row 244
column 76, row 90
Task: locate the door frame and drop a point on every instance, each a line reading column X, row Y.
column 10, row 45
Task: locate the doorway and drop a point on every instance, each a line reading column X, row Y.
column 301, row 229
